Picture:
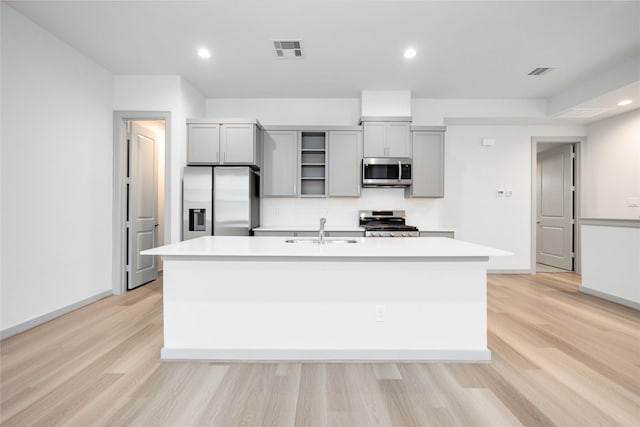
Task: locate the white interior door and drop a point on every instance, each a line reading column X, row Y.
column 142, row 218
column 555, row 207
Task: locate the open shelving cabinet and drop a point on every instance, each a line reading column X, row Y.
column 313, row 166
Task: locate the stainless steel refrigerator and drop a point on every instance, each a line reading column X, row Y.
column 220, row 201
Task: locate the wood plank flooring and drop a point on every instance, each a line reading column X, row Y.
column 560, row 358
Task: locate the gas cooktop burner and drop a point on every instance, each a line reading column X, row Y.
column 386, row 224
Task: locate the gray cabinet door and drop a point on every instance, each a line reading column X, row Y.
column 387, row 139
column 280, row 159
column 345, row 233
column 345, row 158
column 428, row 165
column 203, row 144
column 374, row 139
column 272, row 233
column 448, row 234
column 398, row 139
column 238, row 142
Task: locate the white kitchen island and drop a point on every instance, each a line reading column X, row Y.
column 260, row 298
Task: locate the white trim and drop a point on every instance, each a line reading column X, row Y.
column 611, row 222
column 578, row 142
column 21, row 327
column 119, row 157
column 609, row 297
column 255, row 354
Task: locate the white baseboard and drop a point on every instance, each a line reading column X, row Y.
column 5, row 333
column 373, row 354
column 510, row 271
column 612, row 298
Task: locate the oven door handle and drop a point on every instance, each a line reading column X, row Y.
column 399, row 170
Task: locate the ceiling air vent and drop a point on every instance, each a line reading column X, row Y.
column 540, row 71
column 288, row 49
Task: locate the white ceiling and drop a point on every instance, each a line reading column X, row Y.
column 474, row 49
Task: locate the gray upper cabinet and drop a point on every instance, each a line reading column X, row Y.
column 238, row 143
column 345, row 156
column 215, row 142
column 428, row 164
column 203, row 144
column 280, row 165
column 387, row 139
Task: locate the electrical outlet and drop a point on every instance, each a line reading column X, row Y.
column 508, row 193
column 380, row 312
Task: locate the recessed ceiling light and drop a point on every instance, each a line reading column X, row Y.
column 204, row 53
column 410, row 53
column 625, row 102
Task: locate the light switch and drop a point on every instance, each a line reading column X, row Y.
column 488, row 142
column 499, row 193
column 633, row 202
column 508, row 193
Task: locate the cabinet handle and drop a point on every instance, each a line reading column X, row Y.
column 399, row 170
column 224, row 157
column 294, row 188
column 217, row 156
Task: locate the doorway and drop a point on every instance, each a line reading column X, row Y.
column 555, row 205
column 140, row 141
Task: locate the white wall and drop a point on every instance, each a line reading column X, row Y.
column 291, row 111
column 164, row 93
column 612, row 167
column 343, row 211
column 56, row 173
column 610, row 256
column 474, row 172
column 433, row 112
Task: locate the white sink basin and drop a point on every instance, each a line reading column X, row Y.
column 317, row 242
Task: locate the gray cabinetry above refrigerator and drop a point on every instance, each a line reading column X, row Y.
column 224, row 142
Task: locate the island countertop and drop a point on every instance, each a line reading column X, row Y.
column 366, row 247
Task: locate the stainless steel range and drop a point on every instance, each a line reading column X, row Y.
column 386, row 224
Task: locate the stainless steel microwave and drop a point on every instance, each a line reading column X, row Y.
column 386, row 172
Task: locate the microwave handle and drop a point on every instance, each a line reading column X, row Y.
column 399, row 170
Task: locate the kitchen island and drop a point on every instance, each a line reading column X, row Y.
column 262, row 298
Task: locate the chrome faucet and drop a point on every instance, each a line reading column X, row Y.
column 321, row 231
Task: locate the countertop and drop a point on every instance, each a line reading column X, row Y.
column 366, row 247
column 353, row 228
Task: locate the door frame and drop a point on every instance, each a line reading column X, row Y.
column 120, row 118
column 578, row 144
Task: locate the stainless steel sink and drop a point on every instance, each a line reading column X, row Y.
column 317, row 241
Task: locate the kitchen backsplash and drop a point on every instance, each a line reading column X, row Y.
column 422, row 213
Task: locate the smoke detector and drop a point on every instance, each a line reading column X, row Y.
column 288, row 49
column 540, row 71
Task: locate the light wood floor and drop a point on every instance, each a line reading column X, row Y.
column 559, row 358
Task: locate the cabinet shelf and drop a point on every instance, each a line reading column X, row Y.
column 313, row 158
